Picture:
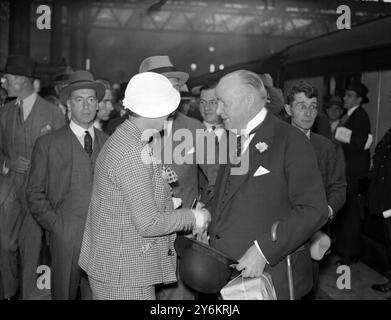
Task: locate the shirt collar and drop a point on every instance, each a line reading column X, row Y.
column 256, row 121
column 351, row 110
column 210, row 125
column 308, row 134
column 98, row 124
column 28, row 101
column 80, row 131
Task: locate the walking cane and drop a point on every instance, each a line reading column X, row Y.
column 288, row 261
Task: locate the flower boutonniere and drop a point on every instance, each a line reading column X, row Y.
column 261, row 146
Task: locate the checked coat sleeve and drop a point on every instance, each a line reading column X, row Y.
column 136, row 181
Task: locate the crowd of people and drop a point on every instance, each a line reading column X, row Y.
column 92, row 177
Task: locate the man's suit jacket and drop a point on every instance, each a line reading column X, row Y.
column 332, row 168
column 357, row 159
column 379, row 199
column 51, row 174
column 187, row 186
column 46, row 118
column 292, row 193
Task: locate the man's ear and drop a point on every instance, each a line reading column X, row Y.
column 69, row 106
column 288, row 109
column 249, row 99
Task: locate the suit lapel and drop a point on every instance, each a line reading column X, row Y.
column 263, row 133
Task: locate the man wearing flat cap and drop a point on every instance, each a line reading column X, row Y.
column 354, row 134
column 60, row 182
column 22, row 121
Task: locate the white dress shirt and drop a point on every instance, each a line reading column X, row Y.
column 218, row 130
column 80, row 132
column 28, row 104
column 98, row 124
column 351, row 110
column 251, row 125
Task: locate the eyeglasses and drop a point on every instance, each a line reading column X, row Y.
column 303, row 107
column 212, row 103
column 80, row 101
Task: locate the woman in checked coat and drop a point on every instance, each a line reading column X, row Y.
column 130, row 230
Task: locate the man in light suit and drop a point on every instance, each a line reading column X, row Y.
column 272, row 209
column 60, row 183
column 128, row 243
column 22, row 121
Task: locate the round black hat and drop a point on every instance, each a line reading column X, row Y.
column 360, row 89
column 202, row 267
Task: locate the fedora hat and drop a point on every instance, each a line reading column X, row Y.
column 81, row 79
column 360, row 89
column 202, row 267
column 151, row 95
column 335, row 101
column 163, row 65
column 20, row 65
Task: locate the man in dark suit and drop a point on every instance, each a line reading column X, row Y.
column 354, row 134
column 215, row 126
column 60, row 182
column 302, row 107
column 379, row 193
column 271, row 210
column 22, row 121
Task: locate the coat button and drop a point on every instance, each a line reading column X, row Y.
column 217, row 237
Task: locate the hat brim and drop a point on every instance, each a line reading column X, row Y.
column 151, row 110
column 183, row 243
column 20, row 73
column 181, row 76
column 365, row 100
column 99, row 88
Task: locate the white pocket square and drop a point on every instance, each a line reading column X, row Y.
column 192, row 150
column 260, row 171
column 46, row 128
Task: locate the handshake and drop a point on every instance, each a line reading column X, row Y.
column 202, row 218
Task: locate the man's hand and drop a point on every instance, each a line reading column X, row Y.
column 251, row 263
column 203, row 219
column 19, row 164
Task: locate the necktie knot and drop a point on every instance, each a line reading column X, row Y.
column 88, row 143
